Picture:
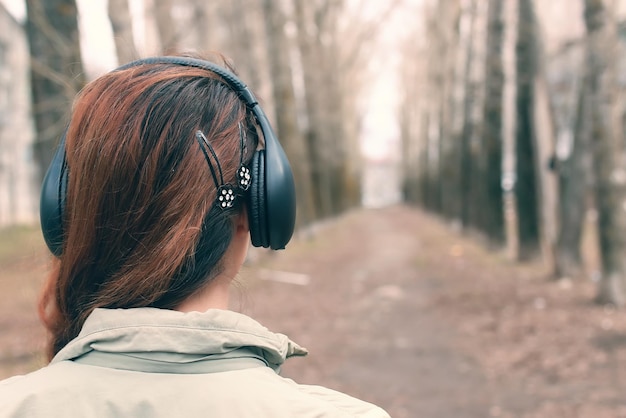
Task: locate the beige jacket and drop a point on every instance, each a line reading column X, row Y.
column 150, row 362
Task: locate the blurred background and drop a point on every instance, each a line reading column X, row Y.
column 501, row 121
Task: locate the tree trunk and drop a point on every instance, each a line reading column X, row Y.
column 56, row 70
column 474, row 196
column 546, row 182
column 573, row 189
column 122, row 27
column 492, row 219
column 336, row 101
column 467, row 124
column 425, row 163
column 449, row 16
column 509, row 126
column 285, row 105
column 409, row 155
column 410, row 120
column 433, row 140
column 204, row 21
column 608, row 151
column 166, row 25
column 244, row 41
column 329, row 96
column 526, row 185
column 150, row 40
column 317, row 130
column 333, row 138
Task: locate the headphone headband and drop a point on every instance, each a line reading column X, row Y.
column 231, row 79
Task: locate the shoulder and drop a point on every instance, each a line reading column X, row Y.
column 37, row 393
column 343, row 403
column 311, row 400
column 81, row 390
column 18, row 394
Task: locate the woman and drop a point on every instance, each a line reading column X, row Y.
column 149, row 204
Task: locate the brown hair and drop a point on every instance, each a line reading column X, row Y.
column 141, row 227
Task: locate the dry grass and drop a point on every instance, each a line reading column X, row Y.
column 23, row 261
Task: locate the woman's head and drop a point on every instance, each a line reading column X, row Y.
column 141, row 224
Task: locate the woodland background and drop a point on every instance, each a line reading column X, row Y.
column 505, row 117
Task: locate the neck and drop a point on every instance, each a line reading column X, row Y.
column 216, row 295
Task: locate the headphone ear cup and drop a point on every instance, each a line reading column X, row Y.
column 257, row 216
column 52, row 201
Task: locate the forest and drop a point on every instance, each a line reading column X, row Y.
column 508, row 114
column 520, row 133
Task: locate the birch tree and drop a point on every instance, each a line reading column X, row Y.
column 573, row 178
column 609, row 153
column 56, row 70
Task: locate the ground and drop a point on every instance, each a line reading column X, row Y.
column 398, row 308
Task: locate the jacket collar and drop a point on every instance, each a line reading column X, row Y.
column 159, row 340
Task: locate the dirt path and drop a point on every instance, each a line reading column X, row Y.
column 398, row 309
column 406, row 313
column 369, row 317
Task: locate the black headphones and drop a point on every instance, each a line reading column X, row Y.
column 271, row 201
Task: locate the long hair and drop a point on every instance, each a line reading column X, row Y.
column 141, row 227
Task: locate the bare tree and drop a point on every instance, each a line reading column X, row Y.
column 491, row 218
column 526, row 194
column 432, row 128
column 326, row 99
column 56, row 69
column 246, row 41
column 316, row 22
column 333, row 41
column 166, row 25
column 285, row 105
column 316, row 132
column 122, row 26
column 509, row 126
column 411, row 117
column 440, row 109
column 471, row 117
column 571, row 160
column 354, row 39
column 204, row 19
column 449, row 14
column 546, row 186
column 573, row 177
column 608, row 149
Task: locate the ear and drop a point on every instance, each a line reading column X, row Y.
column 241, row 222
